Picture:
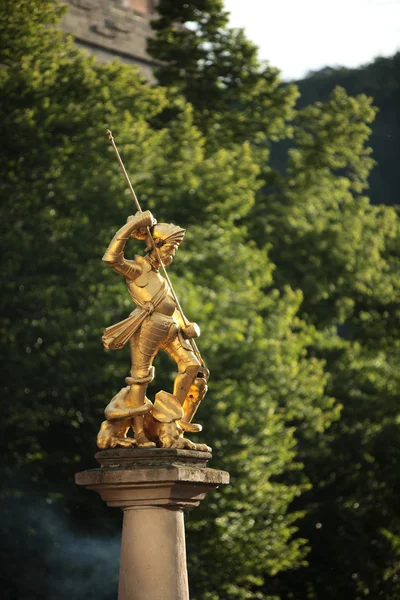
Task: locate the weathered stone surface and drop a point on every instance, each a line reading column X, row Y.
column 113, row 28
column 137, row 457
column 156, row 476
column 153, row 486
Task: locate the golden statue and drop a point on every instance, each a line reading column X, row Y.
column 157, row 323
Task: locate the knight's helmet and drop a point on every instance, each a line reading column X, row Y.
column 165, row 233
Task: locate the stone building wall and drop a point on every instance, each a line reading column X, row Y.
column 113, row 28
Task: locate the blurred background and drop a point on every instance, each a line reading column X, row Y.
column 271, row 132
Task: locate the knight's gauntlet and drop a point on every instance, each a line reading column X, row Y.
column 141, row 221
column 115, row 251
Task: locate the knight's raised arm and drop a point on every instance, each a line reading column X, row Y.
column 114, row 255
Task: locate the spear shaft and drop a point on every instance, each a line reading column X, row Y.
column 136, row 201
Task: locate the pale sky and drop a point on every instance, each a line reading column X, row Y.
column 304, row 35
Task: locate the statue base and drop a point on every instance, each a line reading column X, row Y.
column 152, row 486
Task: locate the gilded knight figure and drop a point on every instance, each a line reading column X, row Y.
column 156, row 323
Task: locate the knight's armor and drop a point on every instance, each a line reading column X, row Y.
column 154, row 324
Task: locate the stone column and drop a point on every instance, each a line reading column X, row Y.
column 153, row 486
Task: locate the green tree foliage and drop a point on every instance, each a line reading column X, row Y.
column 380, row 80
column 349, row 277
column 235, row 97
column 63, row 197
column 327, row 241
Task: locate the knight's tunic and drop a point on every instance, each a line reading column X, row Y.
column 150, row 292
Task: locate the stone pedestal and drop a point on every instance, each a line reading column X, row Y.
column 152, row 486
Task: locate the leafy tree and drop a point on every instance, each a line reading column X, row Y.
column 348, row 275
column 216, row 68
column 380, row 79
column 63, row 197
column 328, row 241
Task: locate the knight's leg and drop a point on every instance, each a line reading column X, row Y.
column 186, row 375
column 187, row 363
column 138, row 393
column 195, row 395
column 142, row 372
column 190, row 384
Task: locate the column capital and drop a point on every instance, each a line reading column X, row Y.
column 153, row 477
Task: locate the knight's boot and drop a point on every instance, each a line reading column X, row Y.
column 190, row 427
column 137, row 398
column 142, row 441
